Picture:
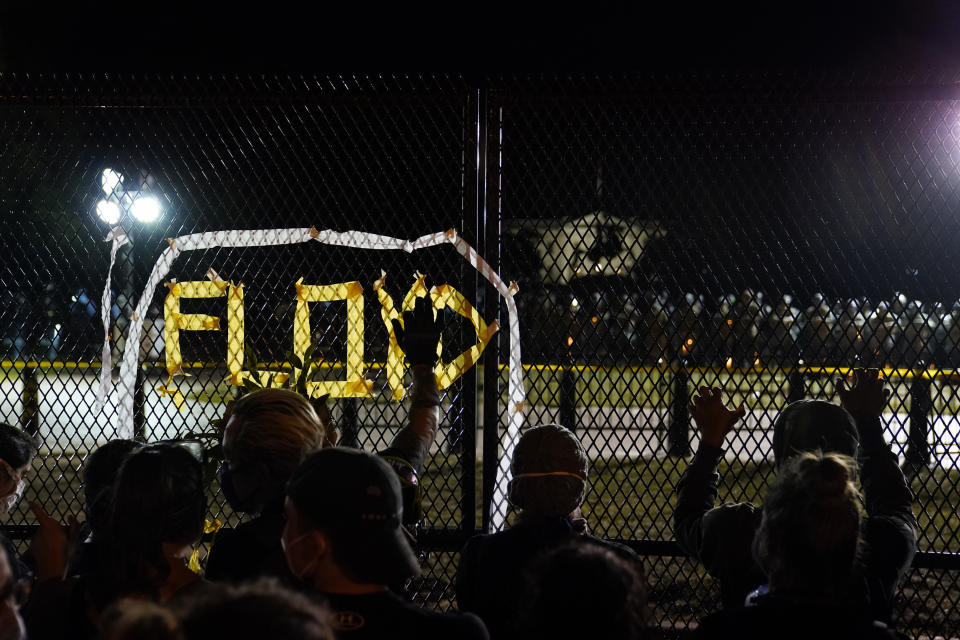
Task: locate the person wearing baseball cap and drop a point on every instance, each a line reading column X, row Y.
column 344, row 539
column 721, row 537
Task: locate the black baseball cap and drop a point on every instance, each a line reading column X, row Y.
column 355, row 498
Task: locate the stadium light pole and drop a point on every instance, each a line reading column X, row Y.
column 116, row 204
column 143, row 206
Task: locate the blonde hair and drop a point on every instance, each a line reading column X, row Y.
column 809, row 537
column 278, row 428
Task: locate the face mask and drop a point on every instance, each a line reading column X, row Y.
column 9, row 501
column 7, row 504
column 295, row 560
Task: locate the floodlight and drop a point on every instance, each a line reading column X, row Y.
column 145, row 208
column 110, row 180
column 108, row 211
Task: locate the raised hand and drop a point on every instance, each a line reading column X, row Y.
column 420, row 332
column 713, row 418
column 50, row 546
column 867, row 397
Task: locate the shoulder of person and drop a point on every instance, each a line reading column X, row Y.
column 737, row 516
column 889, row 536
column 452, row 624
column 788, row 621
column 482, row 542
column 621, row 550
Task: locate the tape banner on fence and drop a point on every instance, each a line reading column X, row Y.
column 353, row 239
column 117, row 237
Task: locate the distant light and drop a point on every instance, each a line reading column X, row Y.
column 108, row 211
column 574, row 303
column 569, row 341
column 110, row 180
column 145, row 209
column 73, row 298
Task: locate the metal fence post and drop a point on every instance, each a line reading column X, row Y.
column 796, row 385
column 30, row 413
column 349, row 427
column 139, row 414
column 488, row 211
column 568, row 398
column 918, row 451
column 678, row 431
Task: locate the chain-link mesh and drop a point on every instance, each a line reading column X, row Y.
column 382, row 155
column 747, row 233
column 751, row 233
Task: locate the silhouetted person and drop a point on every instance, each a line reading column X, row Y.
column 261, row 610
column 99, row 474
column 134, row 619
column 17, row 450
column 583, row 590
column 156, row 517
column 816, row 331
column 807, row 544
column 269, row 432
column 549, row 469
column 12, row 592
column 343, row 539
column 720, row 537
column 880, row 331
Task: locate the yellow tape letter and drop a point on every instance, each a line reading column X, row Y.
column 355, row 384
column 389, row 312
column 235, row 333
column 174, row 322
column 445, row 295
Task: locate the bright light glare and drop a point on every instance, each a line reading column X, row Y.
column 110, row 180
column 146, row 209
column 108, row 211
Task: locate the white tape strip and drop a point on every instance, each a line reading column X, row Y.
column 118, row 238
column 354, row 239
column 192, row 242
column 515, row 389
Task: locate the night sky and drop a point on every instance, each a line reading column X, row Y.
column 481, row 36
column 791, row 173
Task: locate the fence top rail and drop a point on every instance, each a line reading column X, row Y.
column 949, row 375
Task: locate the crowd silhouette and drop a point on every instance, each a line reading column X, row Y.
column 329, row 541
column 738, row 330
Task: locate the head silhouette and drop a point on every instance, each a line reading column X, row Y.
column 549, row 472
column 814, row 425
column 809, row 535
column 158, row 499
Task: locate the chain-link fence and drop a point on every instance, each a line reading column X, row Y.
column 754, row 233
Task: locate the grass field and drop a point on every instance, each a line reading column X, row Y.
column 629, row 498
column 636, row 499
